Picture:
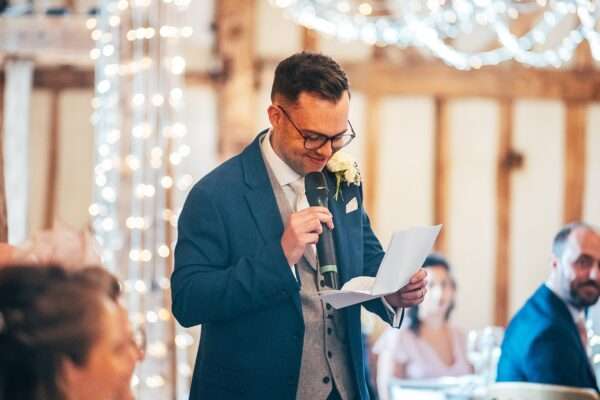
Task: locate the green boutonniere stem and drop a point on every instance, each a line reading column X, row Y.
column 338, row 184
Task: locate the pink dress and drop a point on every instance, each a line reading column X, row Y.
column 420, row 359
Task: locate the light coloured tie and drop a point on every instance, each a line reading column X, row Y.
column 582, row 332
column 300, row 202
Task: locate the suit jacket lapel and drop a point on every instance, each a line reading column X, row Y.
column 555, row 305
column 340, row 231
column 261, row 199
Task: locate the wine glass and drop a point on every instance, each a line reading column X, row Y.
column 483, row 351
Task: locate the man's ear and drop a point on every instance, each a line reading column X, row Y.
column 69, row 375
column 275, row 115
column 555, row 262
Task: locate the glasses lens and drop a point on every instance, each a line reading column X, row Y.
column 313, row 143
column 341, row 141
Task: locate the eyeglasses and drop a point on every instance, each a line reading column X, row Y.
column 314, row 141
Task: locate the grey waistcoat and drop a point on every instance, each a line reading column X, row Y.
column 325, row 352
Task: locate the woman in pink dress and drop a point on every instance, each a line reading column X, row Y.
column 431, row 346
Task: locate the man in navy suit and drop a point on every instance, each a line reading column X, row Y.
column 245, row 261
column 546, row 341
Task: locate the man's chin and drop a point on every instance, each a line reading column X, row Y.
column 587, row 297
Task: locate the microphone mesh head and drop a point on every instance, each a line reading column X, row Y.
column 316, row 189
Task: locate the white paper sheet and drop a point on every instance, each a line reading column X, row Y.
column 405, row 255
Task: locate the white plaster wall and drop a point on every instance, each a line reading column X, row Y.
column 537, row 202
column 277, row 36
column 200, row 116
column 38, row 156
column 405, row 180
column 591, row 213
column 357, row 118
column 471, row 229
column 75, row 167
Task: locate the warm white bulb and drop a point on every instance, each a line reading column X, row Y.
column 94, row 210
column 177, row 65
column 94, row 53
column 109, row 194
column 114, row 21
column 163, row 251
column 96, row 34
column 158, row 100
column 90, row 23
column 152, row 317
column 365, row 9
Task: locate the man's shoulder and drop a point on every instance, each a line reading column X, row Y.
column 537, row 319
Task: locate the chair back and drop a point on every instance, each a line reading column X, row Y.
column 538, row 391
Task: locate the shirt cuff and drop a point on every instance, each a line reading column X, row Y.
column 396, row 315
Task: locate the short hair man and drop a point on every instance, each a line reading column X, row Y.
column 244, row 263
column 546, row 340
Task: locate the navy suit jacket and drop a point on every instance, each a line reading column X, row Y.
column 232, row 277
column 542, row 345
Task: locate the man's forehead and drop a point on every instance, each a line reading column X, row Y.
column 585, row 240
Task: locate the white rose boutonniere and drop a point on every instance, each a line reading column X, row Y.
column 345, row 169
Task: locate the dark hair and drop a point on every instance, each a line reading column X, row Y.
column 309, row 72
column 432, row 260
column 558, row 244
column 47, row 315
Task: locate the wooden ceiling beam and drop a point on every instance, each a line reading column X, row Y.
column 66, row 77
column 388, row 79
column 504, row 82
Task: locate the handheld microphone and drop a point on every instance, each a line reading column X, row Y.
column 316, row 189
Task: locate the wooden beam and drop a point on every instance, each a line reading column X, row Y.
column 310, row 39
column 53, row 157
column 371, row 142
column 498, row 82
column 236, row 90
column 3, row 213
column 384, row 78
column 67, row 77
column 575, row 143
column 441, row 171
column 503, row 210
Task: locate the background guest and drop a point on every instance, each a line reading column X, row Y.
column 546, row 340
column 63, row 335
column 431, row 346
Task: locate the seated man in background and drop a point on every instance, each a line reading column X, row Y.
column 546, row 341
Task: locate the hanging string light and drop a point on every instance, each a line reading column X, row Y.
column 435, row 24
column 140, row 141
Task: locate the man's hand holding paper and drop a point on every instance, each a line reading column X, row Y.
column 412, row 293
column 400, row 279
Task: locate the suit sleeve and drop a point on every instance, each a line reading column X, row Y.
column 206, row 285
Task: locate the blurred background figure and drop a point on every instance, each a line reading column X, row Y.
column 63, row 335
column 431, row 346
column 61, row 245
column 547, row 340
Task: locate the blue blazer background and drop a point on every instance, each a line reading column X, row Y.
column 542, row 345
column 232, row 277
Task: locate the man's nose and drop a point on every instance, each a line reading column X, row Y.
column 594, row 272
column 326, row 150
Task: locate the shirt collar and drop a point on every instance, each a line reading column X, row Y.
column 283, row 172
